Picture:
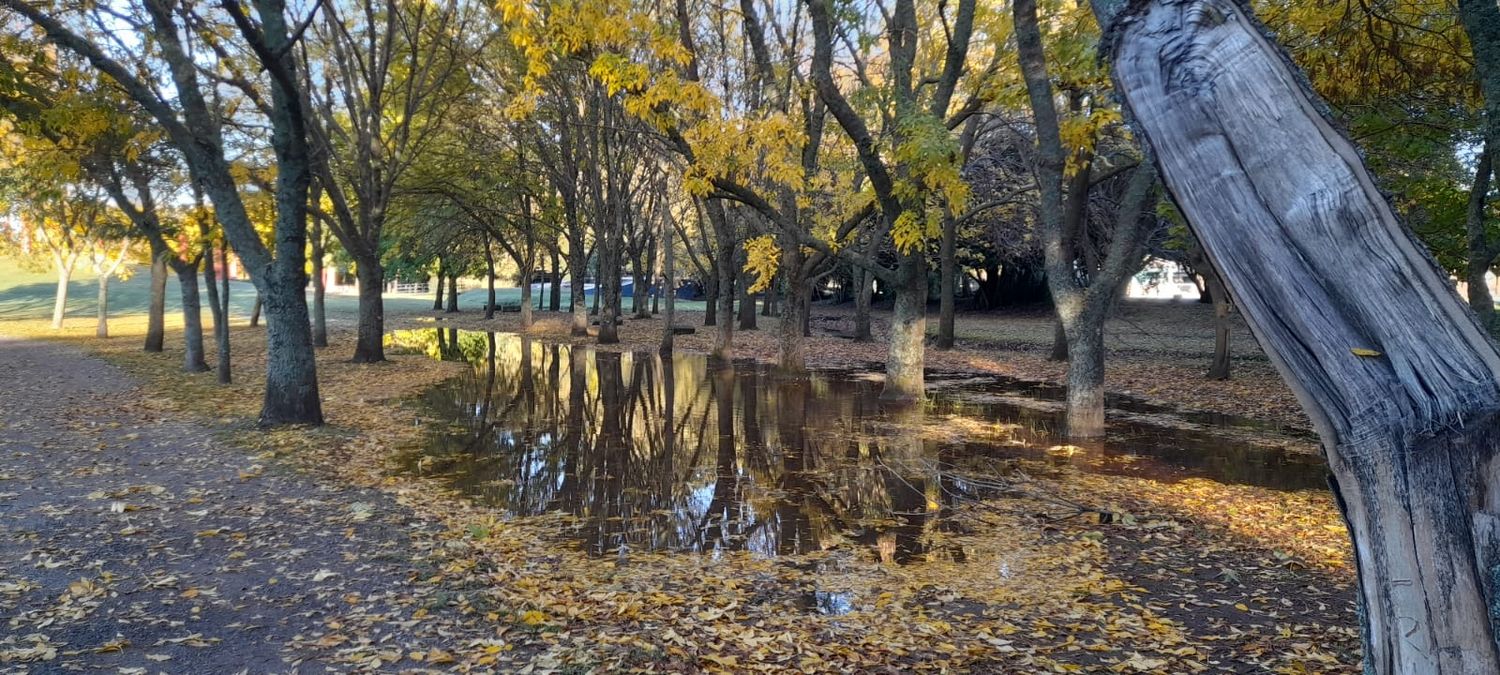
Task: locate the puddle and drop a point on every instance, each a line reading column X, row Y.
column 640, row 453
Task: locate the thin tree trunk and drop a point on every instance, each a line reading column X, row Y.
column 526, row 316
column 156, row 316
column 668, row 284
column 452, row 305
column 578, row 267
column 319, row 313
column 555, row 302
column 1400, row 380
column 60, row 303
column 711, row 298
column 192, row 318
column 255, row 309
column 216, row 307
column 489, row 281
column 437, row 298
column 369, row 346
column 1481, row 251
column 102, row 330
column 948, row 273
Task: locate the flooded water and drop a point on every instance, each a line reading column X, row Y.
column 642, row 453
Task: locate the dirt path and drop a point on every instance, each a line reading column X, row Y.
column 134, row 543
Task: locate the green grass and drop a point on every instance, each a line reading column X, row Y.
column 28, row 294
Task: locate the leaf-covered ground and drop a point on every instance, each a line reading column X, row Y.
column 131, row 494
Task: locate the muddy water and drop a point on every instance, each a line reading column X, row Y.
column 677, row 454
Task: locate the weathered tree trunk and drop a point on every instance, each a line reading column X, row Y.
column 452, row 304
column 218, row 311
column 369, row 346
column 904, row 364
column 946, row 285
column 1323, row 270
column 319, row 311
column 192, row 318
column 156, row 316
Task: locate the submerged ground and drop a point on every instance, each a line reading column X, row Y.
column 491, row 501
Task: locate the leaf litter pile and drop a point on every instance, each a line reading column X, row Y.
column 1054, row 568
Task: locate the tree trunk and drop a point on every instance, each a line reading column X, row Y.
column 723, row 348
column 291, row 370
column 747, row 303
column 319, row 313
column 102, row 330
column 369, row 346
column 864, row 289
column 668, row 283
column 60, row 303
column 578, row 267
column 255, row 309
column 1059, row 342
column 1481, row 251
column 437, row 298
column 607, row 291
column 192, row 318
column 452, row 306
column 220, row 318
column 1085, row 417
column 946, row 290
column 1323, row 271
column 791, row 345
column 904, row 364
column 555, row 302
column 526, row 317
column 156, row 316
column 711, row 299
column 489, row 281
column 1213, row 287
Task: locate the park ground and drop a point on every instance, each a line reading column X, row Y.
column 146, row 525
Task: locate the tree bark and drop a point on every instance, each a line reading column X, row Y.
column 437, row 298
column 747, row 303
column 791, row 345
column 555, row 302
column 192, row 318
column 863, row 292
column 489, row 281
column 1481, row 250
column 904, row 378
column 255, row 309
column 668, row 286
column 526, row 316
column 60, row 302
column 156, row 316
column 949, row 277
column 1059, row 342
column 319, row 311
column 578, row 266
column 1323, row 270
column 452, row 305
column 218, row 312
column 102, row 329
column 369, row 346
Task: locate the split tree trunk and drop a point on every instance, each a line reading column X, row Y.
column 369, row 346
column 1320, row 266
column 156, row 316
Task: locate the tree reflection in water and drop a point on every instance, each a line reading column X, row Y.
column 652, row 454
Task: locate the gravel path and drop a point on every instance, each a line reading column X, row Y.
column 134, row 543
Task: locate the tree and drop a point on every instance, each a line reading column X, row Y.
column 196, row 129
column 1398, row 377
column 390, row 73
